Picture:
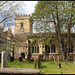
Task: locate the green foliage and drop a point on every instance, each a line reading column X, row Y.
column 55, row 16
column 6, row 47
column 46, row 11
column 31, row 19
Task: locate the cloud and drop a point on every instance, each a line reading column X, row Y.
column 29, row 7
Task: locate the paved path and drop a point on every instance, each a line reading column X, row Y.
column 19, row 71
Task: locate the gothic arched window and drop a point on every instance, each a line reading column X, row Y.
column 71, row 49
column 37, row 49
column 32, row 49
column 47, row 49
column 53, row 48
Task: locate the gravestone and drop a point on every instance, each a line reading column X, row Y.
column 58, row 61
column 35, row 64
column 11, row 58
column 74, row 59
column 19, row 71
column 20, row 59
column 4, row 62
column 39, row 61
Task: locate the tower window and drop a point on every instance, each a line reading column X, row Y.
column 21, row 25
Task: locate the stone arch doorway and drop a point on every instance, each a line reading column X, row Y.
column 23, row 55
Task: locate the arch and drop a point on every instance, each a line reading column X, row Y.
column 34, row 42
column 23, row 55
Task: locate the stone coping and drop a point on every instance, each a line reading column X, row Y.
column 20, row 71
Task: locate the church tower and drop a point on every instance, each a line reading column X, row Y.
column 23, row 24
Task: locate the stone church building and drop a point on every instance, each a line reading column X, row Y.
column 24, row 46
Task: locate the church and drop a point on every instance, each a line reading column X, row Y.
column 22, row 46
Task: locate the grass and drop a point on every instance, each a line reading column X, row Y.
column 47, row 67
column 21, row 64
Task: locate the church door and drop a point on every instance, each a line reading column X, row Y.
column 22, row 55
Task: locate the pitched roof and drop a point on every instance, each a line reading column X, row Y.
column 20, row 37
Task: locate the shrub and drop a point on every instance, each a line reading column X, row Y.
column 11, row 58
column 20, row 59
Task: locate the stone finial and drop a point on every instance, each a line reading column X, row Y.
column 21, row 15
column 29, row 14
column 26, row 14
column 17, row 15
column 9, row 30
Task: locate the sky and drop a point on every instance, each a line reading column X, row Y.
column 29, row 7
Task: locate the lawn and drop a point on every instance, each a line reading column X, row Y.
column 47, row 67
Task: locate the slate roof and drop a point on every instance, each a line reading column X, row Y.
column 20, row 37
column 23, row 36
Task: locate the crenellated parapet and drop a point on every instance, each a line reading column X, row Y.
column 23, row 24
column 21, row 17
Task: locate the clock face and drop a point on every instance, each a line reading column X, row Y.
column 22, row 30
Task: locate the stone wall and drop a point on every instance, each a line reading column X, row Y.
column 26, row 24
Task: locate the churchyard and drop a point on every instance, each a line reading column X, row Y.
column 35, row 66
column 6, row 70
column 47, row 67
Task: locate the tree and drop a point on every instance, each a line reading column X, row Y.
column 70, row 22
column 54, row 12
column 6, row 47
column 8, row 11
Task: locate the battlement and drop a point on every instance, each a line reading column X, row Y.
column 18, row 17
